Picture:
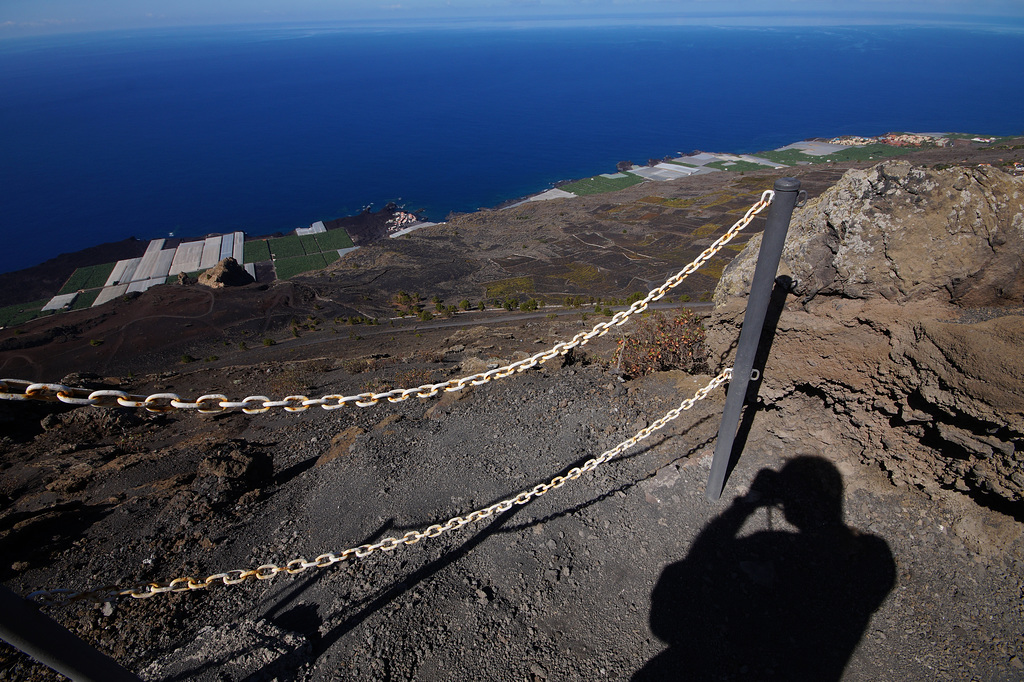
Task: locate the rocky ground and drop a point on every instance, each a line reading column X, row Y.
column 875, row 548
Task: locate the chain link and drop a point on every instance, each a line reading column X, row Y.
column 299, row 565
column 18, row 389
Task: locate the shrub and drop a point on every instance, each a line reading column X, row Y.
column 186, row 358
column 269, row 342
column 660, row 343
column 95, row 342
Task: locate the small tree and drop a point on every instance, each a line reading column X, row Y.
column 660, row 343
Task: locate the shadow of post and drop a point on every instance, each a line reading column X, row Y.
column 776, row 604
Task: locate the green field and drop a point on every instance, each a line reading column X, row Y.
column 600, row 185
column 868, row 152
column 83, row 301
column 333, row 240
column 296, row 265
column 330, row 257
column 286, row 247
column 309, row 244
column 22, row 312
column 90, row 277
column 255, row 251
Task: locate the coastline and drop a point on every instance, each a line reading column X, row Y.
column 30, row 286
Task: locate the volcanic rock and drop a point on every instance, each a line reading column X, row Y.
column 905, row 234
column 908, row 327
column 227, row 273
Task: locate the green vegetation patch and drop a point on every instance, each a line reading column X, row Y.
column 713, row 268
column 600, row 185
column 752, row 183
column 333, row 240
column 582, row 274
column 506, row 287
column 91, row 277
column 296, row 265
column 670, row 203
column 255, row 251
column 286, row 247
column 330, row 257
column 309, row 244
column 85, row 300
column 707, row 230
column 738, row 166
column 22, row 312
column 869, row 152
column 722, row 198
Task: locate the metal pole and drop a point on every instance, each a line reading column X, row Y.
column 24, row 627
column 772, row 241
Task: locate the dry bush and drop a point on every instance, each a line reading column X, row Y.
column 660, row 343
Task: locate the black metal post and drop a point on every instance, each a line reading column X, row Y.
column 772, row 241
column 24, row 627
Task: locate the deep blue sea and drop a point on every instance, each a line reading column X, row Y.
column 110, row 135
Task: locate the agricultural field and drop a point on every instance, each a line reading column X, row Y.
column 309, row 244
column 296, row 265
column 332, row 240
column 868, row 152
column 286, row 247
column 507, row 287
column 22, row 312
column 91, row 277
column 599, row 184
column 255, row 251
column 85, row 300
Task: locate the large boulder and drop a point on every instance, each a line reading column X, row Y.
column 903, row 341
column 905, row 234
column 227, row 273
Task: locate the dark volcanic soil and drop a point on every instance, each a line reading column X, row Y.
column 560, row 588
column 628, row 571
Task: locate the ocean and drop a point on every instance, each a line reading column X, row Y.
column 186, row 132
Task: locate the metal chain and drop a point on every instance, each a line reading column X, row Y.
column 18, row 389
column 268, row 571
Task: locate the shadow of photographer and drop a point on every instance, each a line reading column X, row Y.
column 775, row 604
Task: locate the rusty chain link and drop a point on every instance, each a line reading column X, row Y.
column 298, row 565
column 19, row 389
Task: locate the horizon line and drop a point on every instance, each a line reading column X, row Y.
column 10, row 30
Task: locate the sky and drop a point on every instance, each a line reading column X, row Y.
column 34, row 17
